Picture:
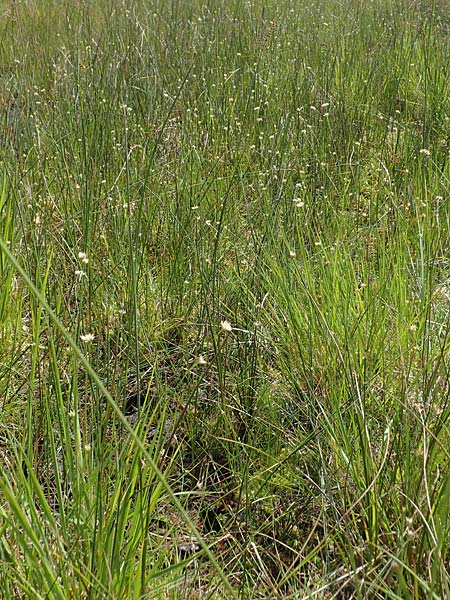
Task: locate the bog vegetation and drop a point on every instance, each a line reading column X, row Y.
column 224, row 299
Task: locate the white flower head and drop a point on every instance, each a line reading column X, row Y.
column 226, row 326
column 87, row 338
column 83, row 258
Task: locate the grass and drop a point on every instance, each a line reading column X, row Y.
column 224, row 299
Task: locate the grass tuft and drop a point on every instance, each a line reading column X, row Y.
column 224, row 299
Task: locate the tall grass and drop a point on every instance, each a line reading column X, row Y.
column 224, row 299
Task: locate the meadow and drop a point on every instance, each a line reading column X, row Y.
column 224, row 299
